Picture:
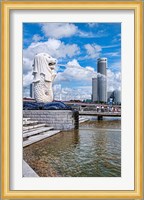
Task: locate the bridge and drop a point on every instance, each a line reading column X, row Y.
column 98, row 110
column 100, row 115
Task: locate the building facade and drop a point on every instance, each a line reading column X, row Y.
column 115, row 96
column 94, row 89
column 102, row 79
column 32, row 90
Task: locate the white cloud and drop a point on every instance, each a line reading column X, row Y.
column 59, row 30
column 73, row 63
column 85, row 34
column 76, row 73
column 27, row 79
column 112, row 54
column 101, row 33
column 93, row 50
column 27, row 65
column 90, row 68
column 113, row 80
column 117, row 38
column 37, row 38
column 116, row 66
column 63, row 30
column 110, row 46
column 54, row 47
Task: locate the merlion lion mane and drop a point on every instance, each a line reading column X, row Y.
column 43, row 71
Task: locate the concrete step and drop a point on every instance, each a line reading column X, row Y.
column 37, row 131
column 82, row 119
column 25, row 119
column 27, row 128
column 29, row 122
column 39, row 137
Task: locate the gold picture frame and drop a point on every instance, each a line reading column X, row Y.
column 7, row 6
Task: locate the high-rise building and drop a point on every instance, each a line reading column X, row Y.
column 102, row 79
column 117, row 96
column 102, row 66
column 99, row 84
column 32, row 90
column 94, row 89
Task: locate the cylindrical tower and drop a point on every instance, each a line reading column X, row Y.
column 94, row 90
column 102, row 66
column 102, row 79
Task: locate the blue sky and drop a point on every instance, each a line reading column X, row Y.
column 77, row 46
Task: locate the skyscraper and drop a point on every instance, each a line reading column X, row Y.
column 32, row 90
column 102, row 79
column 99, row 84
column 94, row 89
column 117, row 96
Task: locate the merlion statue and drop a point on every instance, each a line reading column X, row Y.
column 43, row 71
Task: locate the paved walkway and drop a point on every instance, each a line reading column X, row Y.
column 28, row 171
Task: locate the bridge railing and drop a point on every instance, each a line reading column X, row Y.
column 97, row 108
column 101, row 109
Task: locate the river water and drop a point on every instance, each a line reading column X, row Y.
column 92, row 151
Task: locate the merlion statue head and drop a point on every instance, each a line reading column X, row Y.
column 43, row 64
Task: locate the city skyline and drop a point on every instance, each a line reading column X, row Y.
column 77, row 46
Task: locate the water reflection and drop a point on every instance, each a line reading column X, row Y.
column 92, row 151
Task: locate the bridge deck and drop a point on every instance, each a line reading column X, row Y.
column 95, row 113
